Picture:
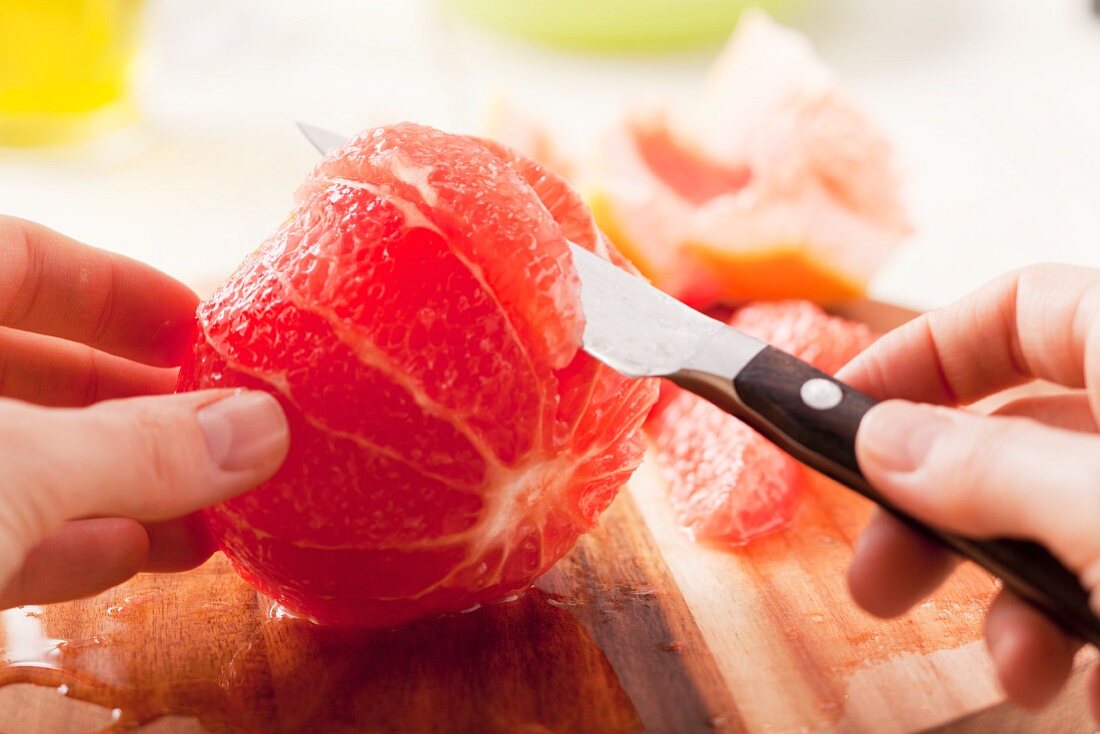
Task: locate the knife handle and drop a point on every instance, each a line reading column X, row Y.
column 815, row 418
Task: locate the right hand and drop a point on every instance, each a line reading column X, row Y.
column 1031, row 471
column 95, row 483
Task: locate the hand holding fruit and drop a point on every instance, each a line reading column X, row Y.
column 96, row 484
column 1031, row 471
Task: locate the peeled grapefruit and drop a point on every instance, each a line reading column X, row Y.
column 728, row 484
column 418, row 317
column 773, row 186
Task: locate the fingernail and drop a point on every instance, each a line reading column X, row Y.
column 897, row 435
column 243, row 431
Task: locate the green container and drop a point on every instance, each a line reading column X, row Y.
column 616, row 25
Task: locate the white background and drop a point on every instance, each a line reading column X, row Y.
column 994, row 107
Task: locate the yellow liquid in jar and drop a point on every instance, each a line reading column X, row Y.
column 65, row 68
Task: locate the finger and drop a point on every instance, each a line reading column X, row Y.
column 53, row 285
column 885, row 546
column 48, row 371
column 1040, row 322
column 149, row 459
column 178, row 545
column 1092, row 692
column 80, row 559
column 1032, row 655
column 85, row 557
column 987, row 475
column 1070, row 411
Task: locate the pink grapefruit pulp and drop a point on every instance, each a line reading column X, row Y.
column 728, row 484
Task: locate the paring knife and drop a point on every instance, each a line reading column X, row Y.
column 638, row 330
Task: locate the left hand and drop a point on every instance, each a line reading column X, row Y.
column 96, row 484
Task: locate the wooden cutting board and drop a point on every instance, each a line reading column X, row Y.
column 637, row 629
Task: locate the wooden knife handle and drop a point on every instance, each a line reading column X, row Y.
column 815, row 418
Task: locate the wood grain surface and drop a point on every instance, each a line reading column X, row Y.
column 638, row 628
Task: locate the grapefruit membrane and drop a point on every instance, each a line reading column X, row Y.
column 418, row 318
column 728, row 484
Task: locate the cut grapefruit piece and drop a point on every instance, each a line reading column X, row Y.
column 418, row 318
column 773, row 186
column 728, row 484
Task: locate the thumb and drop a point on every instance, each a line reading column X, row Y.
column 150, row 458
column 988, row 475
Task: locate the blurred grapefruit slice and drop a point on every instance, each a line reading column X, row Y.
column 418, row 317
column 728, row 484
column 773, row 186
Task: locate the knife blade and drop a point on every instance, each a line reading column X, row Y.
column 322, row 140
column 638, row 330
column 642, row 332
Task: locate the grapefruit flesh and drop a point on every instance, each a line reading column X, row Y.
column 805, row 330
column 728, row 484
column 773, row 185
column 418, row 318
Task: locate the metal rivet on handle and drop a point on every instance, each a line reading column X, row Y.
column 821, row 394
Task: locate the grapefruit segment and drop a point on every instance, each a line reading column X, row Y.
column 728, row 484
column 689, row 174
column 531, row 263
column 559, row 198
column 418, row 318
